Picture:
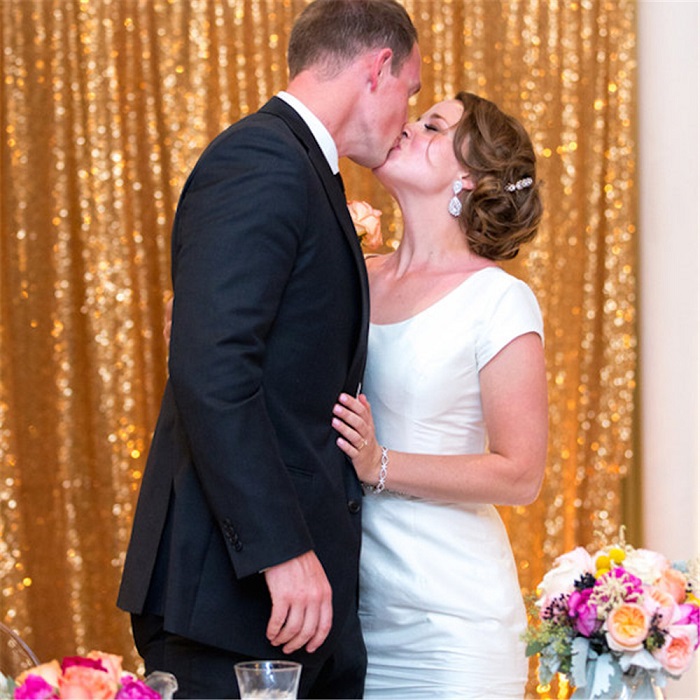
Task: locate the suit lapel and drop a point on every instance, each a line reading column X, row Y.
column 335, row 193
column 338, row 202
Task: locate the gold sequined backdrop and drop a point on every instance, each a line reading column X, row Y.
column 104, row 107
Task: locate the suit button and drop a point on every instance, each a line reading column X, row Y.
column 354, row 506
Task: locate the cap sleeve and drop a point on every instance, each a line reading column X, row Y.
column 512, row 311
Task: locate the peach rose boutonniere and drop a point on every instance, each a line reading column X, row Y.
column 367, row 224
column 620, row 617
column 98, row 676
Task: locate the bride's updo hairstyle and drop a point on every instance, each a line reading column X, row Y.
column 504, row 209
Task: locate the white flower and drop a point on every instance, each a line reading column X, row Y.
column 567, row 569
column 645, row 565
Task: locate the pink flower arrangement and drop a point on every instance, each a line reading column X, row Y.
column 622, row 612
column 367, row 224
column 97, row 675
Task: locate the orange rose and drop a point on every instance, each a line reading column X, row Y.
column 627, row 627
column 676, row 655
column 673, row 582
column 367, row 224
column 50, row 672
column 82, row 682
column 112, row 663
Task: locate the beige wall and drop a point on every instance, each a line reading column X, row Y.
column 668, row 284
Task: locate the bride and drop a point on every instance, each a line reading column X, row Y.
column 455, row 364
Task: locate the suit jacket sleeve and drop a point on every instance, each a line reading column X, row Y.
column 235, row 243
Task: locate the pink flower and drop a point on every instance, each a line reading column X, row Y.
column 583, row 612
column 133, row 689
column 690, row 615
column 676, row 655
column 660, row 603
column 367, row 224
column 82, row 661
column 34, row 688
column 673, row 582
column 616, row 587
column 97, row 676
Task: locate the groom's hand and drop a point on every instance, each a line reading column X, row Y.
column 302, row 610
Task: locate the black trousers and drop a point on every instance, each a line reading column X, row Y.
column 207, row 672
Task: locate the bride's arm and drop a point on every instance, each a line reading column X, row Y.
column 514, row 399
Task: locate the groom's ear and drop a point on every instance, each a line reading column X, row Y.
column 380, row 66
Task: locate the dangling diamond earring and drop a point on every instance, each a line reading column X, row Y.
column 455, row 206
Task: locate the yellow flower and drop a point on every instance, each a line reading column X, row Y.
column 602, row 561
column 617, row 554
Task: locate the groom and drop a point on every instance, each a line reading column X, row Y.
column 246, row 536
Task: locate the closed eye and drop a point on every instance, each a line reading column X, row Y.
column 434, row 121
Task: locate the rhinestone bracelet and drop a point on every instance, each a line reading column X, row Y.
column 383, row 465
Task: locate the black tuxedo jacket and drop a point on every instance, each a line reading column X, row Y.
column 269, row 326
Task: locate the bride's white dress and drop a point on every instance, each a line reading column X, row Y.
column 440, row 604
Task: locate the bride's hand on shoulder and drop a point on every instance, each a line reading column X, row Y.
column 352, row 418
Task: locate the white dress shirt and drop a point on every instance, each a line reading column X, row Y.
column 319, row 131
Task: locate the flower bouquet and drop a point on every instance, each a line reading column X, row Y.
column 367, row 224
column 620, row 621
column 97, row 675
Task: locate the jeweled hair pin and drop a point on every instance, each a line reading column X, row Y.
column 519, row 185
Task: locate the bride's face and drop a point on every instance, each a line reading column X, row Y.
column 423, row 157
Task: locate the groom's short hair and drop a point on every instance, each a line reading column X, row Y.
column 328, row 34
